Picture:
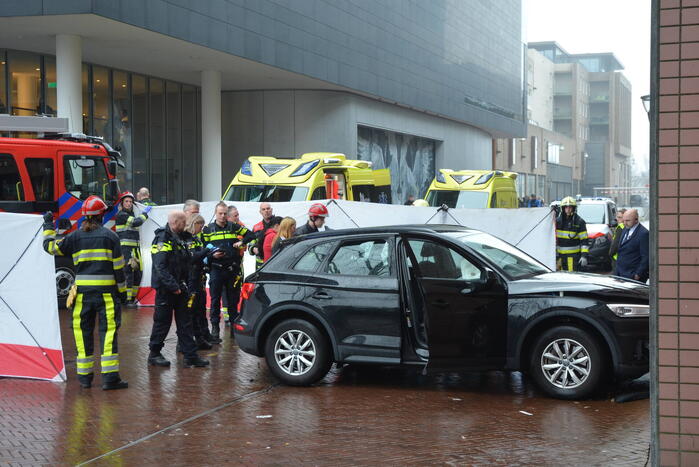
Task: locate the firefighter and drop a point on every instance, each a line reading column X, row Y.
column 169, row 277
column 101, row 288
column 128, row 226
column 224, row 238
column 259, row 230
column 571, row 236
column 316, row 219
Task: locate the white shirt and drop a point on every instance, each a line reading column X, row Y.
column 631, row 231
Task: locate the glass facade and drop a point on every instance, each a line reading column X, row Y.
column 155, row 123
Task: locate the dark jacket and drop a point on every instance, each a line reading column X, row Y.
column 305, row 229
column 196, row 281
column 616, row 237
column 571, row 235
column 171, row 261
column 224, row 238
column 633, row 256
column 127, row 226
column 99, row 264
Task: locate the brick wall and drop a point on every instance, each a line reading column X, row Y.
column 677, row 227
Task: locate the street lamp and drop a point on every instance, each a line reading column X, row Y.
column 646, row 104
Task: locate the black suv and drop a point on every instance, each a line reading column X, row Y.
column 444, row 297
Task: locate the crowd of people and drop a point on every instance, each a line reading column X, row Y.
column 186, row 254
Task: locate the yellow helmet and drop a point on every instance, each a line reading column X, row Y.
column 568, row 201
column 421, row 203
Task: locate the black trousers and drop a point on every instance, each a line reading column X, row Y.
column 221, row 282
column 200, row 325
column 166, row 303
column 88, row 306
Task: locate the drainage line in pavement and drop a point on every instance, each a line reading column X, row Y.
column 183, row 422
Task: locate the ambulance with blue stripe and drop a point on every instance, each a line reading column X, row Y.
column 57, row 173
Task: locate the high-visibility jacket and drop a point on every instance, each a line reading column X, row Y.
column 571, row 235
column 224, row 237
column 127, row 226
column 171, row 260
column 197, row 276
column 99, row 264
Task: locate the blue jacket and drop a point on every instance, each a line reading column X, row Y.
column 633, row 254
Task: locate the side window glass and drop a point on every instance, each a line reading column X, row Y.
column 368, row 258
column 41, row 174
column 362, row 193
column 318, row 193
column 494, row 200
column 11, row 188
column 313, row 257
column 440, row 262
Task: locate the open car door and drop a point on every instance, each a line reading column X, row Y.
column 465, row 307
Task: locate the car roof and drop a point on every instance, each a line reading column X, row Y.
column 384, row 229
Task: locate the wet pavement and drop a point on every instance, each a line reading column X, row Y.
column 234, row 413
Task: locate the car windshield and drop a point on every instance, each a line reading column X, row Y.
column 515, row 263
column 458, row 199
column 592, row 213
column 270, row 193
column 86, row 176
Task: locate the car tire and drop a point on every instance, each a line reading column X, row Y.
column 297, row 352
column 572, row 372
column 65, row 278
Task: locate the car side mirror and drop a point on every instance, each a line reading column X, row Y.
column 112, row 168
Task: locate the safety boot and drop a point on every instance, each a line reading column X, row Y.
column 157, row 359
column 115, row 384
column 215, row 332
column 85, row 381
column 196, row 361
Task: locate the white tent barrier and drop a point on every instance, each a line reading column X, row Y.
column 30, row 337
column 530, row 229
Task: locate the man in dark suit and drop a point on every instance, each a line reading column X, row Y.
column 632, row 260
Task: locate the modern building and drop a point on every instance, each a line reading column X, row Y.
column 579, row 110
column 190, row 89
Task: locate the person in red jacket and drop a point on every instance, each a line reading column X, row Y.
column 270, row 233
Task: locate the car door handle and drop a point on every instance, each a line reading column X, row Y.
column 466, row 291
column 321, row 296
column 440, row 303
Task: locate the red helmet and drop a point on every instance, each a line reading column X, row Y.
column 93, row 206
column 126, row 194
column 318, row 210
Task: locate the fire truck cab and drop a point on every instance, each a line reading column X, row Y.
column 57, row 173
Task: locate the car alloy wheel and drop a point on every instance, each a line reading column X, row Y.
column 295, row 352
column 566, row 363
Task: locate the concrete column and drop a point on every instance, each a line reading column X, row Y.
column 211, row 176
column 69, row 81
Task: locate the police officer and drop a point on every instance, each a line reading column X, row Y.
column 128, row 226
column 234, row 217
column 223, row 238
column 316, row 219
column 571, row 237
column 171, row 263
column 196, row 284
column 99, row 267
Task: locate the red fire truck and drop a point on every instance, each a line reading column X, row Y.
column 57, row 173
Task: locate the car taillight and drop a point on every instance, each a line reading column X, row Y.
column 245, row 293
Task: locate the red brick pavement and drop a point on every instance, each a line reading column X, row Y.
column 356, row 416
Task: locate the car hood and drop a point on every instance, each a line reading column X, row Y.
column 577, row 282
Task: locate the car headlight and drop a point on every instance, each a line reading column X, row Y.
column 629, row 311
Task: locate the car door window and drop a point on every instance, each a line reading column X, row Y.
column 41, row 175
column 10, row 182
column 437, row 261
column 313, row 257
column 367, row 258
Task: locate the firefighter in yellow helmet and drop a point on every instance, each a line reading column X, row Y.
column 571, row 237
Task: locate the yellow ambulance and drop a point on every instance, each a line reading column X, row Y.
column 473, row 189
column 313, row 176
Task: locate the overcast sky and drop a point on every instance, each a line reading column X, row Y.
column 588, row 26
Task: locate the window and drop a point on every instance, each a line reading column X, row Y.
column 440, row 262
column 10, row 181
column 41, row 175
column 535, row 152
column 86, row 176
column 368, row 258
column 313, row 257
column 553, row 152
column 25, row 82
column 362, row 193
column 269, row 193
column 318, row 193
